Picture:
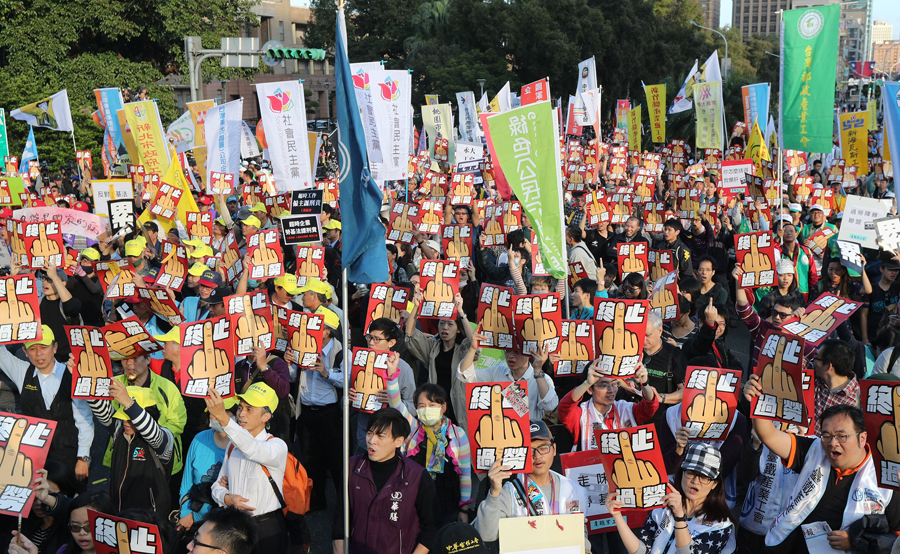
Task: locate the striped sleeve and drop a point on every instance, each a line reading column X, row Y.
column 158, row 437
column 103, row 410
column 464, row 457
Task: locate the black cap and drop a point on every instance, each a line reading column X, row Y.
column 458, row 538
column 539, row 430
column 217, row 296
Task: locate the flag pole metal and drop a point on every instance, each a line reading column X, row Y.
column 73, row 141
column 345, row 489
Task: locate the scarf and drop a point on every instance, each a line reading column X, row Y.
column 436, row 447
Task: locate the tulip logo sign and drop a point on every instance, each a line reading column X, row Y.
column 361, row 80
column 390, row 89
column 280, row 101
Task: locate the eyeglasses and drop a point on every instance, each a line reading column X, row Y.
column 542, row 449
column 75, row 528
column 372, row 338
column 781, row 315
column 608, row 385
column 198, row 543
column 702, row 479
column 841, row 438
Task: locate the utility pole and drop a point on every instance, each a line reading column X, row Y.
column 234, row 51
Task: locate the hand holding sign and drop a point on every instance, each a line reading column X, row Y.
column 618, row 340
column 496, row 430
column 707, row 408
column 208, row 362
column 889, row 437
column 15, row 467
column 44, row 247
column 631, row 473
column 776, row 381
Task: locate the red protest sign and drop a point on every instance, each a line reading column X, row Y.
column 150, row 186
column 92, row 374
column 173, row 272
column 494, row 235
column 664, row 299
column 431, row 216
column 221, row 183
column 621, row 207
column 386, row 300
column 512, row 216
column 596, row 208
column 881, row 405
column 266, row 256
column 457, row 244
column 819, row 241
column 129, row 339
column 661, row 263
column 619, row 327
column 654, row 216
column 116, row 278
column 163, row 304
column 200, row 226
column 310, row 263
column 231, row 258
column 251, row 321
column 116, row 535
column 440, row 284
column 586, row 469
column 822, row 317
column 780, row 370
column 304, row 338
column 44, row 244
column 537, row 261
column 634, row 465
column 756, row 256
column 499, row 425
column 802, row 187
column 207, row 351
column 25, row 445
column 368, row 375
column 166, row 202
column 576, row 347
column 20, row 312
column 495, row 315
column 462, row 189
column 577, row 273
column 404, row 219
column 633, row 258
column 710, row 402
column 537, row 319
column 253, row 194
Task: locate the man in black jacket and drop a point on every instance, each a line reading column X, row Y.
column 670, row 241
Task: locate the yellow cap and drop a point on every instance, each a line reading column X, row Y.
column 261, row 395
column 229, row 402
column 201, row 251
column 193, row 242
column 331, row 319
column 315, row 285
column 134, row 248
column 47, row 338
column 253, row 221
column 197, row 269
column 289, row 282
column 142, row 395
column 174, row 335
column 258, row 207
column 221, row 221
column 91, row 254
column 333, row 224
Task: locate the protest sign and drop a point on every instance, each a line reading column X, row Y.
column 116, row 535
column 822, row 317
column 709, row 406
column 819, row 241
column 851, row 257
column 733, row 176
column 200, row 226
column 26, row 443
column 163, row 304
column 44, row 245
column 858, row 224
column 304, row 338
column 537, row 319
column 20, row 312
column 537, row 261
column 887, row 230
column 387, row 300
column 756, row 256
column 596, row 208
column 495, row 315
column 110, row 189
column 431, row 216
column 307, row 202
column 121, row 216
column 497, row 416
column 456, row 242
column 440, row 285
column 251, row 321
column 881, row 405
column 301, row 229
column 462, row 189
column 404, row 219
column 166, row 202
column 621, row 204
column 619, row 328
column 368, row 374
column 493, row 232
column 779, row 368
column 664, row 298
column 207, row 351
column 92, row 373
column 634, row 465
column 586, row 469
column 632, row 257
column 173, row 272
column 654, row 216
column 547, row 534
column 129, row 339
column 266, row 257
column 231, row 258
column 71, row 222
column 577, row 273
column 310, row 263
column 220, row 183
column 576, row 347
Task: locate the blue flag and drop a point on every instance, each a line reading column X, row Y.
column 29, row 153
column 364, row 250
column 890, row 97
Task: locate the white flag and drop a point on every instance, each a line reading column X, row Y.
column 591, row 101
column 587, row 80
column 249, row 146
column 282, row 108
column 391, row 92
column 483, row 103
column 362, row 88
column 683, row 101
column 468, row 119
column 51, row 112
column 181, row 133
column 222, row 130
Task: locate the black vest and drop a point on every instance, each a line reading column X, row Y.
column 65, row 440
column 138, row 478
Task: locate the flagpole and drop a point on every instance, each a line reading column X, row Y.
column 779, row 138
column 73, row 142
column 346, row 408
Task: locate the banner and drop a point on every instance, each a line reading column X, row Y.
column 756, row 103
column 709, row 114
column 391, row 105
column 362, row 90
column 587, row 80
column 537, row 91
column 854, row 139
column 620, row 327
column 634, row 128
column 890, row 93
column 683, row 101
column 368, row 374
column 497, row 415
column 756, row 255
column 207, row 351
column 468, row 117
column 634, row 465
column 709, row 407
column 623, row 107
column 180, row 133
column 525, row 143
column 656, row 109
column 821, row 318
column 51, row 112
column 809, row 49
column 25, row 444
column 4, row 145
column 116, row 535
column 250, row 148
column 282, row 108
column 780, row 371
column 92, row 374
column 148, row 135
column 881, row 405
column 198, row 117
column 223, row 137
column 72, row 222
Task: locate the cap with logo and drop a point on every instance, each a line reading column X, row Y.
column 261, row 395
column 288, row 282
column 231, row 199
column 134, row 248
column 91, row 254
column 217, row 296
column 47, row 338
column 210, row 278
column 253, row 221
column 315, row 285
column 539, row 430
column 458, row 538
column 201, row 252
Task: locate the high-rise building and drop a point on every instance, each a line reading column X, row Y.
column 711, row 10
column 757, row 17
column 881, row 31
column 887, row 56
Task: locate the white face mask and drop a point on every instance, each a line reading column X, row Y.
column 429, row 416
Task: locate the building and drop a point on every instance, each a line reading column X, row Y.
column 757, row 17
column 881, row 32
column 887, row 57
column 711, row 11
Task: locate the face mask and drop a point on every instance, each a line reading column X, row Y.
column 429, row 416
column 88, row 269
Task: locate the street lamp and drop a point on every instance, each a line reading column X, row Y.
column 481, row 83
column 695, row 24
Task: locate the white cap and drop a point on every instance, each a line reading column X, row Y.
column 795, row 207
column 785, row 266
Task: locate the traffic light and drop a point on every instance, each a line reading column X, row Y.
column 296, row 54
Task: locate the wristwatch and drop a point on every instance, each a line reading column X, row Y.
column 662, row 398
column 86, row 459
column 676, row 518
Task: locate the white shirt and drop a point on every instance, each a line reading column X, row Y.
column 501, row 373
column 243, row 468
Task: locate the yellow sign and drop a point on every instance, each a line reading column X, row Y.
column 855, row 140
column 431, row 99
column 756, row 149
column 198, row 116
column 175, row 177
column 128, row 139
column 148, row 135
column 656, row 109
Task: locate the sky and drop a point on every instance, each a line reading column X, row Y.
column 885, row 10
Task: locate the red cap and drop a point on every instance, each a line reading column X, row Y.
column 81, row 206
column 136, row 299
column 6, row 213
column 206, row 200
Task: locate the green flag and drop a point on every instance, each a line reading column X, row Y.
column 4, row 146
column 809, row 51
column 526, row 143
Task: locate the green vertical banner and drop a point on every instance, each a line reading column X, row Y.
column 526, row 143
column 4, row 146
column 809, row 49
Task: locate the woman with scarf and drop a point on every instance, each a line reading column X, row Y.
column 695, row 517
column 436, row 444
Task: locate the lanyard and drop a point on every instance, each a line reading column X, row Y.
column 534, row 495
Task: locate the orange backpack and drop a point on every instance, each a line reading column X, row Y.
column 297, row 484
